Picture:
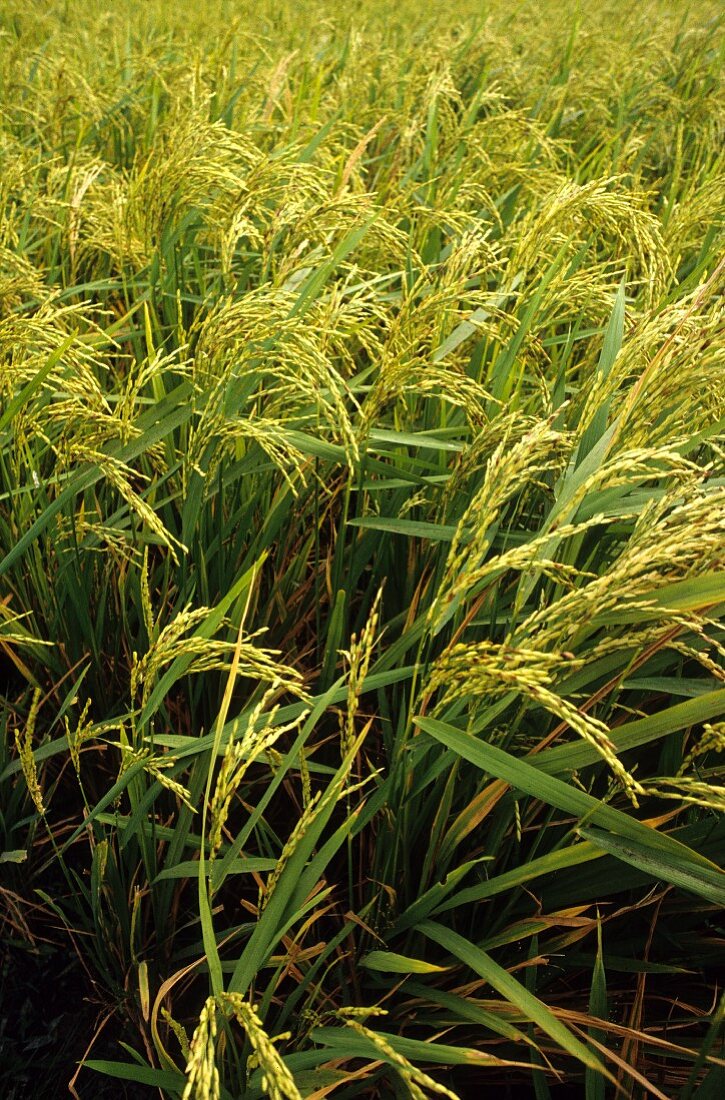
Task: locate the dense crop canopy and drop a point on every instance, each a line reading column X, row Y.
column 361, row 547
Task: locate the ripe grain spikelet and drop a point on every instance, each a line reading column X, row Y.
column 509, row 469
column 417, row 1083
column 24, row 746
column 259, row 736
column 358, row 661
column 277, row 1081
column 485, row 670
column 76, row 738
column 202, row 1075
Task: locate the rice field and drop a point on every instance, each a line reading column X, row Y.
column 362, row 544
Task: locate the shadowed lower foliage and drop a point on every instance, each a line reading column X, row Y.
column 361, row 549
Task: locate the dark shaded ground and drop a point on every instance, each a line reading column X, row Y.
column 47, row 1017
column 46, row 1022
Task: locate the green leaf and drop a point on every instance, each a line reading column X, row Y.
column 548, row 864
column 633, row 735
column 594, row 1082
column 667, row 867
column 610, row 350
column 523, row 776
column 14, row 406
column 141, row 1075
column 434, row 532
column 351, row 1045
column 512, row 990
column 419, row 440
column 151, row 427
column 316, row 281
column 14, row 855
column 189, row 868
column 389, row 963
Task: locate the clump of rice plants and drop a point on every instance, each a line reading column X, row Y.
column 362, row 541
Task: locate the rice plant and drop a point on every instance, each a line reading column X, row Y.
column 362, row 540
